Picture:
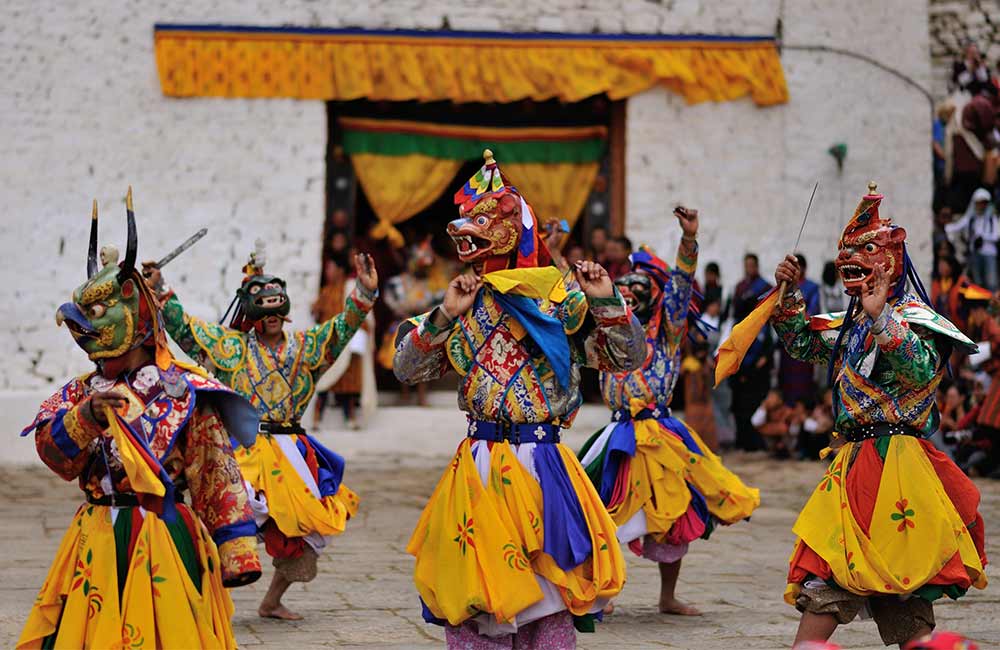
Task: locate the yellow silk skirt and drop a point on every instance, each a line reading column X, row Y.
column 159, row 606
column 293, row 500
column 479, row 542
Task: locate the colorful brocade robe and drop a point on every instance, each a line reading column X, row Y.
column 279, row 383
column 653, row 383
column 533, row 537
column 892, row 514
column 187, row 421
column 654, row 473
column 167, row 526
column 506, row 378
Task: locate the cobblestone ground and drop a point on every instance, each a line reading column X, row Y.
column 364, row 596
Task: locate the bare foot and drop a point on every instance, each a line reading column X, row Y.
column 278, row 611
column 609, row 609
column 678, row 608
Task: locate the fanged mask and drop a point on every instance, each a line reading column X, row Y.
column 489, row 227
column 637, row 290
column 262, row 296
column 868, row 242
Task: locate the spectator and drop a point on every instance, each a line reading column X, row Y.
column 939, row 146
column 749, row 290
column 946, row 296
column 599, row 244
column 970, row 141
column 831, row 292
column 350, row 378
column 970, row 72
column 979, row 231
column 574, row 254
column 750, row 383
column 713, row 284
column 816, row 428
column 617, row 252
column 951, row 407
column 942, row 219
column 773, row 421
column 698, row 382
column 795, row 378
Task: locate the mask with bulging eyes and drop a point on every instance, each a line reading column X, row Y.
column 637, row 290
column 262, row 296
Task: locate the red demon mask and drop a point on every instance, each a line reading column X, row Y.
column 868, row 241
column 496, row 228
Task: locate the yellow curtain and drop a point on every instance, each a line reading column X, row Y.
column 398, row 187
column 554, row 190
column 330, row 64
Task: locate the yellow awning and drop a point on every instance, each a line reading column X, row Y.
column 347, row 64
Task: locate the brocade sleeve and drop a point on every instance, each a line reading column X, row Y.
column 618, row 342
column 331, row 337
column 219, row 496
column 420, row 350
column 791, row 323
column 63, row 441
column 913, row 357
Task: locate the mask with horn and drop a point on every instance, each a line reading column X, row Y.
column 113, row 312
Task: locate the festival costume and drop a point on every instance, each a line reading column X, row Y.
column 660, row 482
column 908, row 530
column 514, row 538
column 295, row 483
column 138, row 566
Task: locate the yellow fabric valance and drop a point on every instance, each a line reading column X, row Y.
column 347, row 64
column 398, row 187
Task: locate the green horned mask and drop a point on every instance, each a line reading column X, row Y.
column 109, row 314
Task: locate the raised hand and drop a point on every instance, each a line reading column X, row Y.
column 364, row 266
column 594, row 280
column 788, row 273
column 461, row 293
column 688, row 220
column 875, row 292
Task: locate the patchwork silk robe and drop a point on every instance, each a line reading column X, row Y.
column 892, row 515
column 654, row 473
column 514, row 530
column 301, row 480
column 124, row 573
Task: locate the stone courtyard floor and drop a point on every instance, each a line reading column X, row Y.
column 364, row 596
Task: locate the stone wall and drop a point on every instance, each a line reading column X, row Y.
column 83, row 117
column 953, row 23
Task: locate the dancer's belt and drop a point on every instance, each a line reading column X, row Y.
column 515, row 433
column 650, row 412
column 880, row 430
column 120, row 500
column 281, row 428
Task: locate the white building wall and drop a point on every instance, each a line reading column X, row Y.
column 82, row 116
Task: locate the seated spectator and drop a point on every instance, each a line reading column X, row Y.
column 773, row 421
column 979, row 231
column 816, row 428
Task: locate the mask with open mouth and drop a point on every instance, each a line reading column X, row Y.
column 262, row 296
column 637, row 290
column 869, row 241
column 496, row 228
column 112, row 312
